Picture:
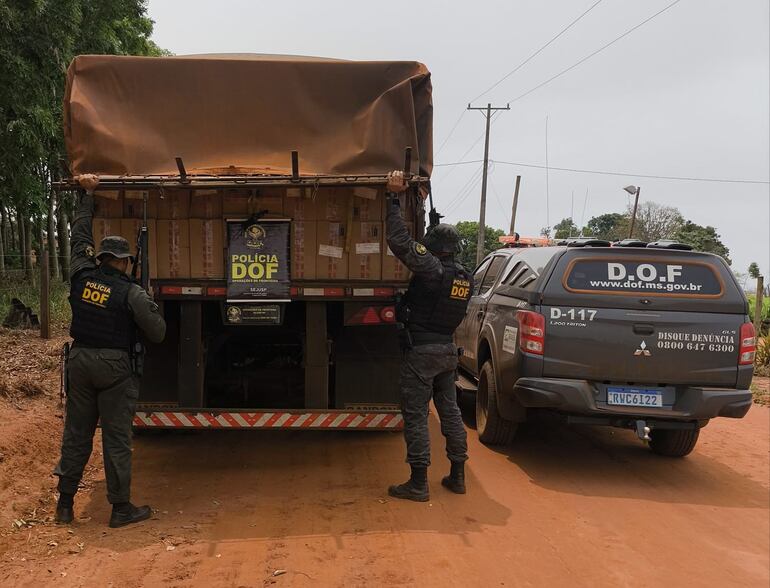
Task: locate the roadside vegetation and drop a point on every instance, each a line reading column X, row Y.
column 38, row 41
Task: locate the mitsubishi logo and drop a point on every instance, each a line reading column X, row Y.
column 643, row 350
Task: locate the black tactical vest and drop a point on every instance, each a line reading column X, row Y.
column 438, row 308
column 101, row 317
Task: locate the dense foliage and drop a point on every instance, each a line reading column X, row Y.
column 469, row 231
column 38, row 39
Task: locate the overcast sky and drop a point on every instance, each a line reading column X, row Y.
column 687, row 94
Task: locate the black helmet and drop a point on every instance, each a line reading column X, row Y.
column 442, row 238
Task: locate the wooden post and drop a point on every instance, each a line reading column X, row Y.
column 758, row 304
column 515, row 206
column 45, row 303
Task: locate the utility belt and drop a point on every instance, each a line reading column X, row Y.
column 135, row 356
column 409, row 338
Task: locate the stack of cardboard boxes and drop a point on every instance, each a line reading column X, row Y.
column 336, row 233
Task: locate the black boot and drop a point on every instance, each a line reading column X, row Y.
column 455, row 481
column 64, row 508
column 125, row 513
column 416, row 488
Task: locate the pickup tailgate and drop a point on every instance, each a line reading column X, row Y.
column 653, row 347
column 642, row 317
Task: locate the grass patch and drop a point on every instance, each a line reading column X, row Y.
column 760, row 392
column 15, row 286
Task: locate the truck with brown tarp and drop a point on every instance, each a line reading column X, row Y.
column 253, row 186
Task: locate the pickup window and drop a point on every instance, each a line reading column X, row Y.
column 494, row 270
column 651, row 277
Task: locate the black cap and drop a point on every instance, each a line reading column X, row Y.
column 116, row 247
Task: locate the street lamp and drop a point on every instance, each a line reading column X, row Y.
column 634, row 191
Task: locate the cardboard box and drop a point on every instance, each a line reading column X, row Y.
column 173, row 242
column 104, row 227
column 235, row 203
column 367, row 204
column 299, row 205
column 174, row 204
column 392, row 269
column 365, row 251
column 332, row 260
column 304, row 250
column 207, row 249
column 129, row 230
column 332, row 204
column 108, row 204
column 206, row 204
column 133, row 204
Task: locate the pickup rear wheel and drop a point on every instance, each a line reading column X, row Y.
column 492, row 428
column 673, row 442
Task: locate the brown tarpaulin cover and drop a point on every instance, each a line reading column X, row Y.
column 134, row 115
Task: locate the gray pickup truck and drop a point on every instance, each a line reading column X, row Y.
column 653, row 338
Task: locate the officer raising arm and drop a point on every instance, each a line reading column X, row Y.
column 431, row 310
column 107, row 307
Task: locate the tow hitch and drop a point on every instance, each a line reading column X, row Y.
column 642, row 430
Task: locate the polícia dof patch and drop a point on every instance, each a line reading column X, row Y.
column 96, row 293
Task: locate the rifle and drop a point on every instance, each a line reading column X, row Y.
column 433, row 216
column 142, row 260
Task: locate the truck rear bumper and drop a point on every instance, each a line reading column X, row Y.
column 298, row 419
column 586, row 398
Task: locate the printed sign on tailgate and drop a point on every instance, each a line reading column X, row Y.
column 636, row 276
column 258, row 260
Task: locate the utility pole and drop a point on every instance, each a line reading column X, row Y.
column 482, row 213
column 515, row 206
column 758, row 306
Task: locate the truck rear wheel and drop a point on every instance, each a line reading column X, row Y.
column 492, row 428
column 674, row 442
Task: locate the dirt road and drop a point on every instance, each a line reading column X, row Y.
column 580, row 506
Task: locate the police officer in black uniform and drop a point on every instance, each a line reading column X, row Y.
column 431, row 310
column 103, row 369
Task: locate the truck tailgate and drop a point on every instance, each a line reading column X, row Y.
column 649, row 347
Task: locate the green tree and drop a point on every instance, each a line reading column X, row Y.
column 754, row 270
column 655, row 222
column 38, row 39
column 565, row 228
column 612, row 226
column 702, row 239
column 469, row 233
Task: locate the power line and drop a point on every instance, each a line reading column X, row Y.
column 599, row 50
column 536, row 53
column 506, row 216
column 451, row 132
column 467, row 151
column 628, row 174
column 464, row 191
column 458, row 163
column 513, row 71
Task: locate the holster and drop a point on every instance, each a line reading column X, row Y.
column 137, row 359
column 404, row 337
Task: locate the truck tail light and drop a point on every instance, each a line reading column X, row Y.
column 388, row 314
column 373, row 315
column 531, row 332
column 748, row 347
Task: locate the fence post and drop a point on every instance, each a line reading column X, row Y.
column 45, row 303
column 758, row 305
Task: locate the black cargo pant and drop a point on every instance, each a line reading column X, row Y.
column 428, row 371
column 101, row 387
